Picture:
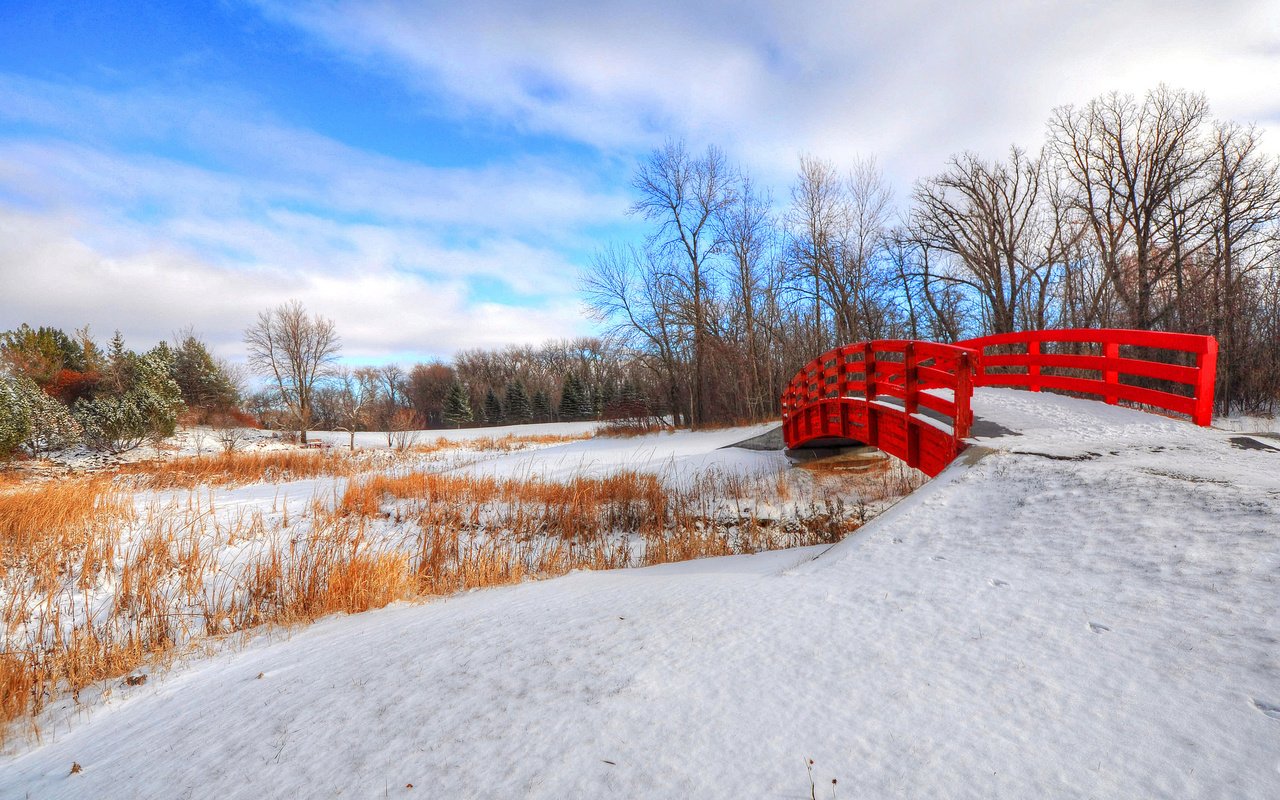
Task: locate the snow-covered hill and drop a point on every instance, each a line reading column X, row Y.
column 1088, row 609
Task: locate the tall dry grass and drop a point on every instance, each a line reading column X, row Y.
column 239, row 468
column 93, row 587
column 507, row 443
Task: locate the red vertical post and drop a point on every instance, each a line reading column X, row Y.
column 1110, row 376
column 1033, row 370
column 847, row 362
column 963, row 417
column 911, row 381
column 869, row 392
column 869, row 371
column 1206, row 375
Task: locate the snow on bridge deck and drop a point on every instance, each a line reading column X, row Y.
column 1090, row 607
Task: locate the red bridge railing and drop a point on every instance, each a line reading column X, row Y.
column 908, row 398
column 1101, row 374
column 912, row 398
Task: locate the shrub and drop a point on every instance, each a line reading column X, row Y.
column 50, row 425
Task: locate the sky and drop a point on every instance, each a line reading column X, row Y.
column 436, row 176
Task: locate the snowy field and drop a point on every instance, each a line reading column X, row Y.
column 1089, row 607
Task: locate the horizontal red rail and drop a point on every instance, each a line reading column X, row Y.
column 1108, row 365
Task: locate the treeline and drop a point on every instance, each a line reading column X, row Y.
column 58, row 389
column 561, row 380
column 1140, row 213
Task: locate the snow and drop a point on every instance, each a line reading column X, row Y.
column 678, row 454
column 378, row 439
column 1089, row 608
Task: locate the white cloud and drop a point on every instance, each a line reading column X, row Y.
column 407, row 258
column 53, row 278
column 910, row 82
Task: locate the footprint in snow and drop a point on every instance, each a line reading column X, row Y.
column 1266, row 708
column 938, row 558
column 996, row 582
column 1098, row 628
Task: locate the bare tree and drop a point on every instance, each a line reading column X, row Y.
column 626, row 287
column 394, row 391
column 1245, row 204
column 355, row 395
column 817, row 218
column 838, row 227
column 863, row 243
column 1003, row 238
column 428, row 386
column 295, row 350
column 1135, row 168
column 747, row 229
column 683, row 195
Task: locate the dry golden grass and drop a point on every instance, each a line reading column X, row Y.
column 568, row 509
column 51, row 530
column 502, row 444
column 228, row 469
column 93, row 588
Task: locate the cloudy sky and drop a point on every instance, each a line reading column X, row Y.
column 435, row 175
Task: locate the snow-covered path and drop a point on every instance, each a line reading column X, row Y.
column 1090, row 609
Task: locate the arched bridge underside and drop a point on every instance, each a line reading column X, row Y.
column 912, row 399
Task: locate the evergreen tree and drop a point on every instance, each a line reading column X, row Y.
column 630, row 403
column 204, row 383
column 50, row 425
column 541, row 406
column 118, row 376
column 492, row 408
column 457, row 406
column 15, row 421
column 571, row 398
column 597, row 402
column 518, row 408
column 159, row 396
column 586, row 401
column 146, row 408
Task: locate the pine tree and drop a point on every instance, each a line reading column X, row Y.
column 597, row 402
column 571, row 398
column 518, row 409
column 204, row 383
column 146, row 408
column 631, row 403
column 50, row 425
column 586, row 401
column 120, row 363
column 457, row 405
column 541, row 406
column 492, row 408
column 157, row 394
column 15, row 418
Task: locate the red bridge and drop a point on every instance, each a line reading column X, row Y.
column 912, row 399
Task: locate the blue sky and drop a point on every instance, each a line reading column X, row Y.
column 434, row 176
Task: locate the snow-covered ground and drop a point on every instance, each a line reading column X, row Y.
column 1088, row 609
